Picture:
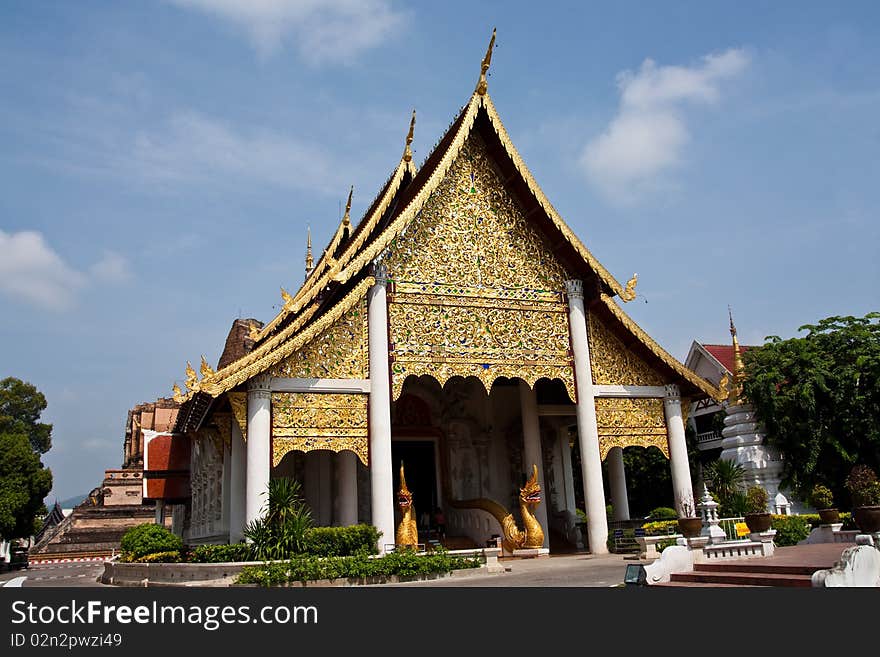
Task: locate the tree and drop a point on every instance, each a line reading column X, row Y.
column 818, row 398
column 20, row 407
column 24, row 482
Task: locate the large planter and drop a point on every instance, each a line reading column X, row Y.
column 867, row 519
column 829, row 516
column 690, row 527
column 758, row 522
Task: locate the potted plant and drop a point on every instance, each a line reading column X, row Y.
column 864, row 490
column 757, row 517
column 690, row 524
column 821, row 499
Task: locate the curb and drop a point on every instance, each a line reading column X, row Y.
column 68, row 560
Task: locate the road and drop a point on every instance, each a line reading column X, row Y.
column 74, row 573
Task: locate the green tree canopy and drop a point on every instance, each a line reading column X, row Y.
column 21, row 405
column 818, row 397
column 24, row 482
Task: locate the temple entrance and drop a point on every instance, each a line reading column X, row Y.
column 417, row 457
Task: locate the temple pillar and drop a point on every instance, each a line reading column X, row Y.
column 381, row 482
column 678, row 457
column 259, row 413
column 532, row 451
column 617, row 481
column 346, row 468
column 588, row 432
column 237, row 485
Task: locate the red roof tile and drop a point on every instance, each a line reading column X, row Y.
column 723, row 353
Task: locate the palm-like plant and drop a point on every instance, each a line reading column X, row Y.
column 726, row 478
column 280, row 532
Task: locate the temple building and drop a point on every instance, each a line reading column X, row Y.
column 459, row 329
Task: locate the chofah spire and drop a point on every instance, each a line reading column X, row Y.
column 407, row 151
column 483, row 85
column 310, row 262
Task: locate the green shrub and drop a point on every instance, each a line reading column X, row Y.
column 148, row 538
column 341, row 541
column 660, row 527
column 814, row 520
column 309, row 568
column 821, row 497
column 172, row 556
column 663, row 513
column 790, row 530
column 863, row 487
column 220, row 553
column 756, row 499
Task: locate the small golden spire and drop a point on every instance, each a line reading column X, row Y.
column 310, row 263
column 346, row 218
column 285, row 296
column 735, row 393
column 407, row 151
column 482, row 85
column 206, row 369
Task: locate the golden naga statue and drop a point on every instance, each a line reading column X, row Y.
column 407, row 531
column 629, row 293
column 532, row 535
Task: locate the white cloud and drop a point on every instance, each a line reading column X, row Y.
column 111, row 268
column 321, row 30
column 30, row 270
column 648, row 135
column 191, row 147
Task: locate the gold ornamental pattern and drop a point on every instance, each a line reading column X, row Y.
column 476, row 291
column 311, row 421
column 340, row 352
column 628, row 422
column 615, row 364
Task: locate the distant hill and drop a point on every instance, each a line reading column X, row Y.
column 71, row 502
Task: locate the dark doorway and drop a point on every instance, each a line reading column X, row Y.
column 417, row 457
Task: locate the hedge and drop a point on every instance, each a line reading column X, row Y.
column 790, row 530
column 148, row 538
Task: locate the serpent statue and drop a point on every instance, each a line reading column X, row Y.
column 407, row 531
column 531, row 536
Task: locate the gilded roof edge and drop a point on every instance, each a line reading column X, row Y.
column 659, row 351
column 544, row 202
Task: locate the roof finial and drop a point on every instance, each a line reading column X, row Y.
column 407, row 152
column 346, row 219
column 482, row 85
column 734, row 396
column 310, row 263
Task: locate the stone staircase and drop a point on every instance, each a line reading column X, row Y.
column 789, row 567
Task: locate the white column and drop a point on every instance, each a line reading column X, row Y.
column 237, row 485
column 532, row 451
column 678, row 457
column 381, row 482
column 617, row 482
column 588, row 432
column 346, row 464
column 259, row 425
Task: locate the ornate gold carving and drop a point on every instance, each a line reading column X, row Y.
column 179, row 397
column 206, row 369
column 662, row 354
column 613, row 362
column 407, row 151
column 283, row 344
column 630, row 292
column 340, row 352
column 238, row 402
column 625, row 422
column 477, row 292
column 223, row 422
column 285, row 297
column 309, row 421
column 407, row 531
column 192, row 379
column 544, row 202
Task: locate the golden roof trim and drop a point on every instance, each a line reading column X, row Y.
column 544, row 202
column 659, row 351
column 271, row 353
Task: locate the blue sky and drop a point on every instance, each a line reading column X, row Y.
column 161, row 161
